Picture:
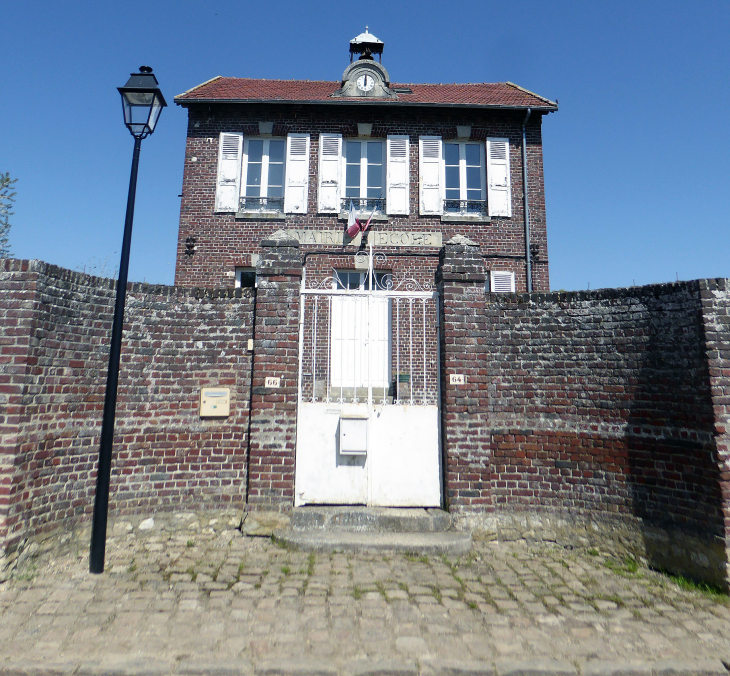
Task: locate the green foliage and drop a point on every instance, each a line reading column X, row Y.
column 628, row 567
column 706, row 588
column 7, row 197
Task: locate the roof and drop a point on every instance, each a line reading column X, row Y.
column 246, row 90
column 365, row 37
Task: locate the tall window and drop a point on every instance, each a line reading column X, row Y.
column 263, row 174
column 364, row 173
column 464, row 177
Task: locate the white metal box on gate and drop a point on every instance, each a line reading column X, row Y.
column 353, row 435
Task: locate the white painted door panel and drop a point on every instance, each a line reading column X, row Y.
column 323, row 475
column 401, row 468
column 403, row 457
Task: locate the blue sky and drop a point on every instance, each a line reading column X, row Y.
column 637, row 160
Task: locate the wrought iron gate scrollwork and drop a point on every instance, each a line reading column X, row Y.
column 376, row 344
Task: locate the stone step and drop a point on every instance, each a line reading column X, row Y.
column 370, row 519
column 433, row 543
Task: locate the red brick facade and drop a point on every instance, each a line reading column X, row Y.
column 223, row 242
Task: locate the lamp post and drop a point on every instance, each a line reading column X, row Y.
column 142, row 102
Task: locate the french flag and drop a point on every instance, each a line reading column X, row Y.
column 355, row 225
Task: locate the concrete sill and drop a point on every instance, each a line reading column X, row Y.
column 455, row 218
column 260, row 216
column 380, row 218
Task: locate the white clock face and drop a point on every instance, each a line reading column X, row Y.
column 365, row 83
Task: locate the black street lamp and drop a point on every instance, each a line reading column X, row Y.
column 142, row 102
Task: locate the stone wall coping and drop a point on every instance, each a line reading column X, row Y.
column 84, row 279
column 695, row 285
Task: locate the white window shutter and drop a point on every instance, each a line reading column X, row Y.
column 499, row 194
column 228, row 184
column 430, row 169
column 296, row 183
column 330, row 156
column 398, row 175
column 502, row 281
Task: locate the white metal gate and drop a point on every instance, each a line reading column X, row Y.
column 368, row 416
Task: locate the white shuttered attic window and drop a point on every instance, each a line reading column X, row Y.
column 502, row 281
column 228, row 184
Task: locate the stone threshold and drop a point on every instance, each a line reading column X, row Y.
column 206, row 666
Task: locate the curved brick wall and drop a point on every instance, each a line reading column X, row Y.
column 608, row 406
column 606, row 403
column 603, row 401
column 54, row 333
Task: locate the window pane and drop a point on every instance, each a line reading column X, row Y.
column 255, row 151
column 473, row 154
column 375, row 177
column 275, row 190
column 452, row 193
column 452, row 177
column 276, row 151
column 474, row 194
column 352, row 178
column 347, row 280
column 473, row 178
column 352, row 152
column 375, row 152
column 253, row 180
column 247, row 278
column 276, row 175
column 451, row 153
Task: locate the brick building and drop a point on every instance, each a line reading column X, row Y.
column 370, row 178
column 429, row 161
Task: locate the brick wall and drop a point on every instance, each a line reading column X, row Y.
column 276, row 349
column 17, row 290
column 224, row 243
column 604, row 405
column 601, row 402
column 715, row 294
column 465, row 406
column 55, row 333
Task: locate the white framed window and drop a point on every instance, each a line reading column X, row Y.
column 364, row 170
column 262, row 177
column 262, row 174
column 246, row 277
column 373, row 173
column 464, row 177
column 501, row 281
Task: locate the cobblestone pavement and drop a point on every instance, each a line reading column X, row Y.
column 191, row 590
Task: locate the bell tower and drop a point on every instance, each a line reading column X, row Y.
column 365, row 78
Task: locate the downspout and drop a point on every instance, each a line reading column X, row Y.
column 525, row 199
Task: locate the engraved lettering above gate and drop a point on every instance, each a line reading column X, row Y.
column 378, row 238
